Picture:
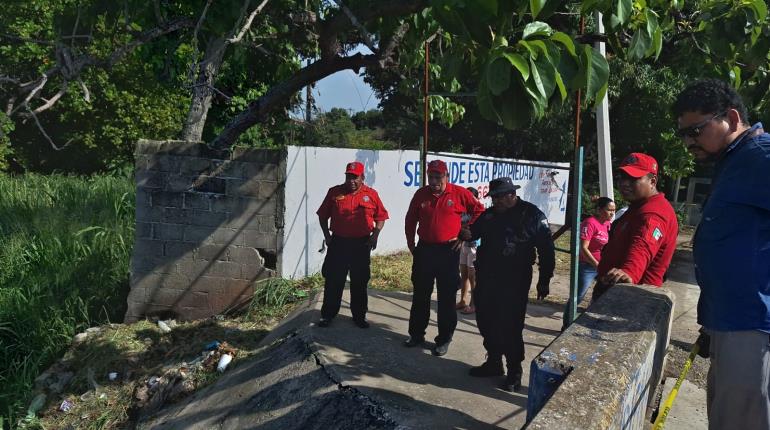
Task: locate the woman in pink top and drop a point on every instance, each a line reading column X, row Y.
column 594, row 234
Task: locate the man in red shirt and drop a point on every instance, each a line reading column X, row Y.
column 643, row 240
column 437, row 208
column 357, row 217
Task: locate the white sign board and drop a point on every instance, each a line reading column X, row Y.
column 311, row 171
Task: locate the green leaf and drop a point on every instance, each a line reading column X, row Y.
column 498, row 76
column 597, row 72
column 565, row 40
column 735, row 77
column 516, row 108
column 546, row 71
column 624, row 9
column 535, row 6
column 657, row 42
column 640, row 43
column 537, row 28
column 560, row 86
column 486, row 103
column 519, row 63
column 760, row 8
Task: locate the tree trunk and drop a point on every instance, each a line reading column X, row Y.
column 203, row 91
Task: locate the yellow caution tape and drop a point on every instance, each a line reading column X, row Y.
column 663, row 412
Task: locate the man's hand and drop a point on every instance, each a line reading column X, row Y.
column 543, row 289
column 704, row 343
column 465, row 233
column 616, row 276
column 372, row 242
column 456, row 244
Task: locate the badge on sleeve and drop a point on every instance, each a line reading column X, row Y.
column 450, row 203
column 365, row 199
column 657, row 234
column 340, row 197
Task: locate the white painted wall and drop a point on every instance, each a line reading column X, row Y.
column 311, row 171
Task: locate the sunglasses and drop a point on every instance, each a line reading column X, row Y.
column 694, row 131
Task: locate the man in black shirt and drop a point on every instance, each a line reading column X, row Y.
column 510, row 231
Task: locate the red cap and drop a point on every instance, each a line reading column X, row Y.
column 355, row 168
column 437, row 166
column 637, row 165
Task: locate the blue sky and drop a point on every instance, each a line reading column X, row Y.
column 344, row 90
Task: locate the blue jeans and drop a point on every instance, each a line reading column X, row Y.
column 586, row 275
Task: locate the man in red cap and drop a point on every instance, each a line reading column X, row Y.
column 357, row 217
column 437, row 208
column 643, row 240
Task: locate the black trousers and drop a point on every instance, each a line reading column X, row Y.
column 342, row 256
column 501, row 297
column 440, row 263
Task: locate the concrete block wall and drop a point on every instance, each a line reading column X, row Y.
column 602, row 371
column 208, row 225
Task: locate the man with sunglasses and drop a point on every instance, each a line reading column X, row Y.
column 643, row 240
column 510, row 232
column 732, row 253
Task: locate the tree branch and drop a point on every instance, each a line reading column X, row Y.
column 278, row 94
column 47, row 137
column 361, row 29
column 247, row 25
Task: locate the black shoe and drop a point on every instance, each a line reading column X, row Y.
column 412, row 341
column 361, row 323
column 512, row 383
column 440, row 350
column 489, row 368
column 324, row 322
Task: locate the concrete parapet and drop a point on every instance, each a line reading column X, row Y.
column 206, row 227
column 601, row 372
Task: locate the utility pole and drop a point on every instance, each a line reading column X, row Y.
column 603, row 127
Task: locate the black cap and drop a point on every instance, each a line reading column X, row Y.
column 501, row 186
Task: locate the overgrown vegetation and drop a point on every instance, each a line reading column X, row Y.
column 63, row 267
column 141, row 356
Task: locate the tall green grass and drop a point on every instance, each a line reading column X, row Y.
column 65, row 245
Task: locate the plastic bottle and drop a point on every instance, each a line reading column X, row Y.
column 224, row 360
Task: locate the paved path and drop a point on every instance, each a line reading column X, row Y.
column 416, row 388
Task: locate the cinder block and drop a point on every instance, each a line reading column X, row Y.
column 245, row 255
column 259, row 240
column 269, row 190
column 227, row 236
column 226, row 269
column 209, row 184
column 166, row 199
column 165, row 163
column 150, row 179
column 249, row 155
column 197, row 166
column 148, row 248
column 222, row 203
column 143, row 196
column 194, row 268
column 169, row 232
column 267, row 224
column 166, row 296
column 194, row 217
column 149, row 213
column 143, row 230
column 254, row 272
column 198, row 234
column 197, row 201
column 153, row 281
column 178, row 183
column 179, row 250
column 213, row 253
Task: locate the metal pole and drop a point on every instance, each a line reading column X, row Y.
column 426, row 115
column 577, row 186
column 603, row 128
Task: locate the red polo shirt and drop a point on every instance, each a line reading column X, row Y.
column 439, row 217
column 642, row 241
column 353, row 214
